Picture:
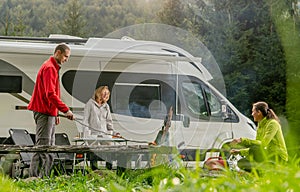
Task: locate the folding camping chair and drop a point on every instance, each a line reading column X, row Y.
column 69, row 159
column 21, row 137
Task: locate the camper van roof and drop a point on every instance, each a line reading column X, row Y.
column 50, row 39
column 125, row 48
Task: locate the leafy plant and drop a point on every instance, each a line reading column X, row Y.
column 270, row 177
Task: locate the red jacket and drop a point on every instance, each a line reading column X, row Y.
column 46, row 94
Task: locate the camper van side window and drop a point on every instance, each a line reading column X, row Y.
column 213, row 103
column 138, row 100
column 194, row 99
column 10, row 84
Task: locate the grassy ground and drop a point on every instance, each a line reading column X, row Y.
column 167, row 178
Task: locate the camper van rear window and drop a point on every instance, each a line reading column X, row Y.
column 10, row 84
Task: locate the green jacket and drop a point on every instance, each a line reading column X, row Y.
column 269, row 136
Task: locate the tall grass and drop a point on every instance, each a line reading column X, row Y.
column 273, row 177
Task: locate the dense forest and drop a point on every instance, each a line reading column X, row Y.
column 244, row 37
column 84, row 18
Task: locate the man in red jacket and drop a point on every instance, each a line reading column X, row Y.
column 45, row 104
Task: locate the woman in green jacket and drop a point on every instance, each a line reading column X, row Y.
column 269, row 143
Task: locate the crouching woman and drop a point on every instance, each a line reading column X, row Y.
column 269, row 144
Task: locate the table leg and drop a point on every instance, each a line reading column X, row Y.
column 74, row 162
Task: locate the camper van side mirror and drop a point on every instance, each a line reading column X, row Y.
column 224, row 112
column 186, row 121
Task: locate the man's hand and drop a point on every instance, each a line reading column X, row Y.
column 57, row 120
column 70, row 115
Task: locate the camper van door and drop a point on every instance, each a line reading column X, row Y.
column 207, row 128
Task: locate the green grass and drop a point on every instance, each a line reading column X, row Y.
column 167, row 178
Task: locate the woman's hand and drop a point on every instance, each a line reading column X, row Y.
column 152, row 143
column 236, row 141
column 234, row 151
column 117, row 135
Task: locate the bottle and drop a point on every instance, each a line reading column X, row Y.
column 86, row 132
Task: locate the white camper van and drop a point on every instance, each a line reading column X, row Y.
column 145, row 78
